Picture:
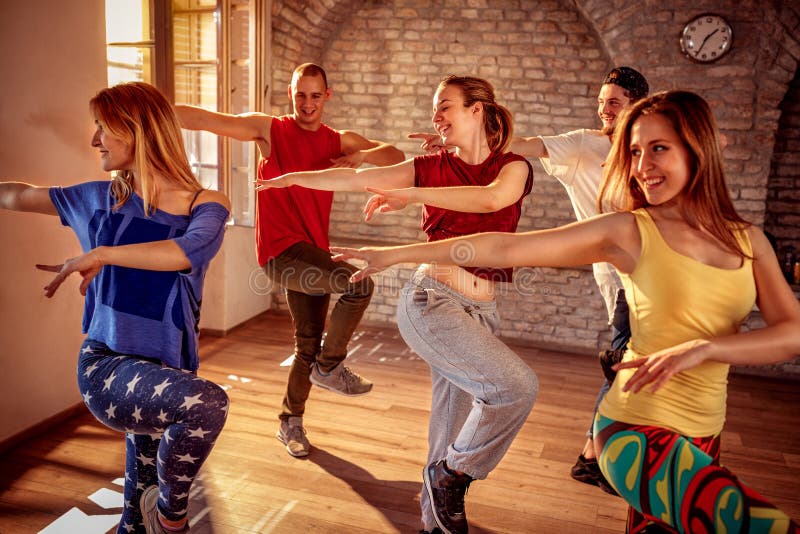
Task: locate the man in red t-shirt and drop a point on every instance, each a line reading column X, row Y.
column 292, row 236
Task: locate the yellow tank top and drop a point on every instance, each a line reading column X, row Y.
column 673, row 299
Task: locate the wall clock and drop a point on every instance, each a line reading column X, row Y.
column 706, row 38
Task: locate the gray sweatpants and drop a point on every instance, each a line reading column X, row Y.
column 481, row 393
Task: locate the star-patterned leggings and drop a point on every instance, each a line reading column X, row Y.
column 171, row 417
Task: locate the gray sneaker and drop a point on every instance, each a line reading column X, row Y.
column 148, row 504
column 292, row 434
column 340, row 380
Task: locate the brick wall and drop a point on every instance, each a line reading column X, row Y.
column 546, row 60
column 783, row 192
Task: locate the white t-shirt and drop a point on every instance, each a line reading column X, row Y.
column 576, row 160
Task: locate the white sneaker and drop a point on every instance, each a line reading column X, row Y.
column 340, row 380
column 292, row 434
column 148, row 504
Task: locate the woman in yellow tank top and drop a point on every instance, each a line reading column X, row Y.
column 692, row 270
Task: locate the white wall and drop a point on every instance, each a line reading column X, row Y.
column 52, row 57
column 236, row 288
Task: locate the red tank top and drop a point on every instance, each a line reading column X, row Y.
column 446, row 170
column 294, row 214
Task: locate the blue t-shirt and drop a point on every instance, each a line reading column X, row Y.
column 154, row 314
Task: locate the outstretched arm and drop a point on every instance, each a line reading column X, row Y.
column 19, row 196
column 505, row 190
column 777, row 342
column 359, row 150
column 244, row 127
column 610, row 238
column 346, row 179
column 530, row 147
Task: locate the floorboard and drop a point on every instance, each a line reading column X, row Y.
column 364, row 471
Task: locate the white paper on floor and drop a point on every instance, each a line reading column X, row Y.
column 76, row 521
column 106, row 498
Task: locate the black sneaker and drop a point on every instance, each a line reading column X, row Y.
column 446, row 491
column 609, row 358
column 587, row 470
column 604, row 485
column 436, row 530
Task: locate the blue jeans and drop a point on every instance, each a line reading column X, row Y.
column 481, row 393
column 620, row 335
column 171, row 419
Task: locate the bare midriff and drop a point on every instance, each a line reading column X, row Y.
column 459, row 280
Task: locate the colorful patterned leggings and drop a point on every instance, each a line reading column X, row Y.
column 677, row 483
column 171, row 417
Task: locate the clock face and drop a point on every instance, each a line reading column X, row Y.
column 706, row 38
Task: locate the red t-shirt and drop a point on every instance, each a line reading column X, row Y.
column 290, row 215
column 446, row 170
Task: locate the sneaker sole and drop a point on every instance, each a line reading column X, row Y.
column 300, row 454
column 340, row 392
column 429, row 489
column 144, row 505
column 588, row 478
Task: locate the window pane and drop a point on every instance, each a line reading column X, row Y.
column 129, row 64
column 243, row 160
column 128, row 21
column 195, row 55
column 129, row 34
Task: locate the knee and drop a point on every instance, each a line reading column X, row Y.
column 528, row 386
column 363, row 288
column 215, row 406
column 524, row 387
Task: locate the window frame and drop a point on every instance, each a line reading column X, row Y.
column 162, row 74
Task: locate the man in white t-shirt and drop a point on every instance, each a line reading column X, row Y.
column 576, row 160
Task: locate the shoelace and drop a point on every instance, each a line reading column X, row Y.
column 456, row 493
column 349, row 376
column 296, row 433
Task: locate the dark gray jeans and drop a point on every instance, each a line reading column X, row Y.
column 309, row 276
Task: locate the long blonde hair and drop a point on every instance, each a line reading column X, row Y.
column 497, row 121
column 706, row 200
column 139, row 114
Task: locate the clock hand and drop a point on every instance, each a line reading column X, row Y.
column 705, row 41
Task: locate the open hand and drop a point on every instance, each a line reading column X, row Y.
column 660, row 366
column 375, row 258
column 349, row 161
column 87, row 265
column 430, row 142
column 272, row 183
column 385, row 200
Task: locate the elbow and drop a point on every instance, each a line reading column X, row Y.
column 396, row 156
column 490, row 204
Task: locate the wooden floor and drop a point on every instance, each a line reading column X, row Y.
column 364, row 471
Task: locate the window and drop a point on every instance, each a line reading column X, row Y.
column 131, row 40
column 181, row 47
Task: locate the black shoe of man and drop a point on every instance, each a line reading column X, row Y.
column 446, row 490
